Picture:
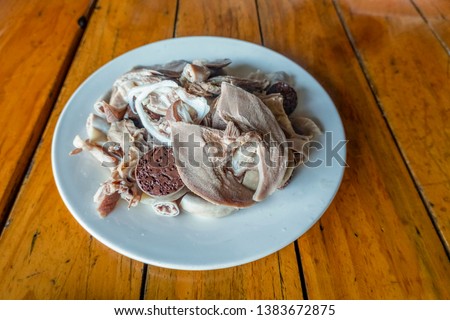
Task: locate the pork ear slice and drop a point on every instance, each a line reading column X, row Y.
column 192, row 146
column 250, row 114
column 305, row 126
column 292, row 125
column 298, row 130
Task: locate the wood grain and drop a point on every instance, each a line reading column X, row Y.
column 37, row 40
column 227, row 18
column 376, row 241
column 276, row 276
column 437, row 14
column 44, row 253
column 412, row 89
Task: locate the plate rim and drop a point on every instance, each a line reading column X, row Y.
column 172, row 265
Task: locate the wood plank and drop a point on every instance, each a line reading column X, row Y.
column 44, row 253
column 376, row 240
column 273, row 277
column 228, row 18
column 437, row 15
column 37, row 41
column 419, row 82
column 276, row 276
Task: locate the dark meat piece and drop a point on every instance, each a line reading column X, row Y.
column 107, row 203
column 204, row 173
column 156, row 173
column 288, row 93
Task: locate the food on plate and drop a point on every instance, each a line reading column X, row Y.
column 188, row 135
column 156, row 173
column 288, row 94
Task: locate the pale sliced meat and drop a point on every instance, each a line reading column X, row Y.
column 275, row 103
column 213, row 64
column 120, row 131
column 195, row 73
column 111, row 112
column 251, row 85
column 250, row 114
column 166, row 208
column 200, row 207
column 209, row 180
column 270, row 77
column 292, row 125
column 305, row 126
column 95, row 150
column 106, row 199
column 96, row 128
column 129, row 80
column 299, row 131
column 172, row 69
column 108, row 203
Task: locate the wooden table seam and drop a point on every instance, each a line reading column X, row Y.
column 301, row 274
column 175, row 20
column 375, row 240
column 258, row 15
column 403, row 156
column 53, row 96
column 300, row 271
column 433, row 31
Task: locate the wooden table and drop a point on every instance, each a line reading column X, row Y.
column 386, row 65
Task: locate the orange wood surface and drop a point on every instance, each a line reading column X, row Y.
column 384, row 64
column 37, row 41
column 412, row 91
column 376, row 240
column 44, row 253
column 437, row 14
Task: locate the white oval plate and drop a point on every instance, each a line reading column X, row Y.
column 188, row 242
